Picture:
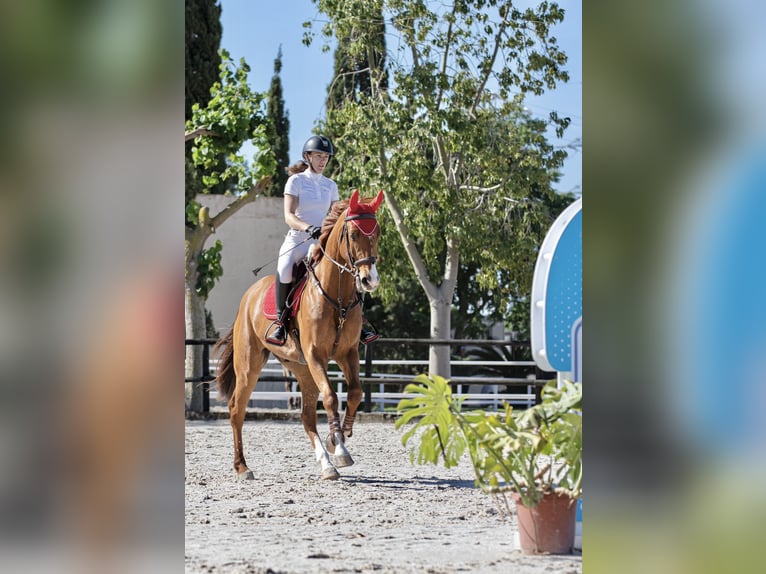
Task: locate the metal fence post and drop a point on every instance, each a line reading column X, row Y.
column 368, row 374
column 205, row 377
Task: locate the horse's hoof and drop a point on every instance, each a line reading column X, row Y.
column 330, row 474
column 247, row 475
column 342, row 460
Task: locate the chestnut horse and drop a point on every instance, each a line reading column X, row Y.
column 327, row 326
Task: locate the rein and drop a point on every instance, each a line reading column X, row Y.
column 353, row 270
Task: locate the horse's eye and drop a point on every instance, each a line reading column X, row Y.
column 355, row 235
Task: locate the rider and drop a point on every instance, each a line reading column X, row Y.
column 307, row 199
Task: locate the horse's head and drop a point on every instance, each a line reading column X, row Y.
column 362, row 232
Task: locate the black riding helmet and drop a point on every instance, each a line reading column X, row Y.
column 318, row 143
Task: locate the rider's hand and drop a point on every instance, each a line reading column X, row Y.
column 314, row 231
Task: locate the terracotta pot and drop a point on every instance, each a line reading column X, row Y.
column 549, row 527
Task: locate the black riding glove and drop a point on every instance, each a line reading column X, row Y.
column 314, row 231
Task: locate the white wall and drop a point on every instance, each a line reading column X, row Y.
column 250, row 238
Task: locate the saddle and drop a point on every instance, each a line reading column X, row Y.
column 293, row 297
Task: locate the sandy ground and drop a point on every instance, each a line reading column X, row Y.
column 384, row 515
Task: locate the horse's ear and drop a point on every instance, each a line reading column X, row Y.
column 353, row 204
column 377, row 201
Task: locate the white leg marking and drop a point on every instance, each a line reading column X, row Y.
column 321, row 454
column 341, row 457
column 374, row 278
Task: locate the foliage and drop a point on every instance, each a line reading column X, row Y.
column 209, row 269
column 474, row 307
column 440, row 432
column 202, row 60
column 210, row 331
column 278, row 131
column 467, row 171
column 518, row 320
column 531, row 452
column 403, row 315
column 233, row 115
column 354, row 67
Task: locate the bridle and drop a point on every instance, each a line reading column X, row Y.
column 344, row 234
column 355, row 264
column 353, row 270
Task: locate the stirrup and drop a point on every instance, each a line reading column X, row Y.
column 367, row 336
column 273, row 338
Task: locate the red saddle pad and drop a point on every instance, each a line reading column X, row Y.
column 270, row 300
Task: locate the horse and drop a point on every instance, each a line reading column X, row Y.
column 326, row 326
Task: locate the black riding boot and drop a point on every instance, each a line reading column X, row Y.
column 278, row 335
column 367, row 335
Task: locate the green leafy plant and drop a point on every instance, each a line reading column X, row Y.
column 531, row 452
column 439, row 428
column 210, row 269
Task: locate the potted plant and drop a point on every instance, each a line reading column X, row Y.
column 534, row 455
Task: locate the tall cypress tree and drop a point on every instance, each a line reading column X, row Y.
column 203, row 40
column 353, row 71
column 203, row 61
column 279, row 129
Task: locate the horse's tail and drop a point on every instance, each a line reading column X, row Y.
column 226, row 378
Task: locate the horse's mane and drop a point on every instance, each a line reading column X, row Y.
column 328, row 223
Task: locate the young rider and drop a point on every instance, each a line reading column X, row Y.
column 307, row 199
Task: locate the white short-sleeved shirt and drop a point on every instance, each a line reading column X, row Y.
column 315, row 194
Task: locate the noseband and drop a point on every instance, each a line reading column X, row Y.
column 367, row 260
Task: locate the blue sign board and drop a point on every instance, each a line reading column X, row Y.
column 557, row 294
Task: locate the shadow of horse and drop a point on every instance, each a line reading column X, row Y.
column 416, row 483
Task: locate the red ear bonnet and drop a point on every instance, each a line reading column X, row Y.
column 353, row 204
column 366, row 226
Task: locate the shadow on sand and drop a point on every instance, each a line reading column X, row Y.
column 415, row 483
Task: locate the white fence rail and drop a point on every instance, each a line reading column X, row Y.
column 477, row 392
column 384, row 380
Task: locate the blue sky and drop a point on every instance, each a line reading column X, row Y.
column 255, row 29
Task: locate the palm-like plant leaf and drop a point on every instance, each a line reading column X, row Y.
column 433, row 408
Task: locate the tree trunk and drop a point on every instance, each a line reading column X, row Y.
column 195, row 329
column 439, row 355
column 441, row 307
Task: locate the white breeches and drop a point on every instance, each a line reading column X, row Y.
column 291, row 252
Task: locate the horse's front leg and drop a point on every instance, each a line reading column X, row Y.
column 349, row 364
column 340, row 457
column 334, row 443
column 310, row 394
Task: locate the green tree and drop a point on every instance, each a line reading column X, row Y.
column 279, row 130
column 202, row 68
column 202, row 62
column 203, row 40
column 353, row 68
column 468, row 173
column 233, row 115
